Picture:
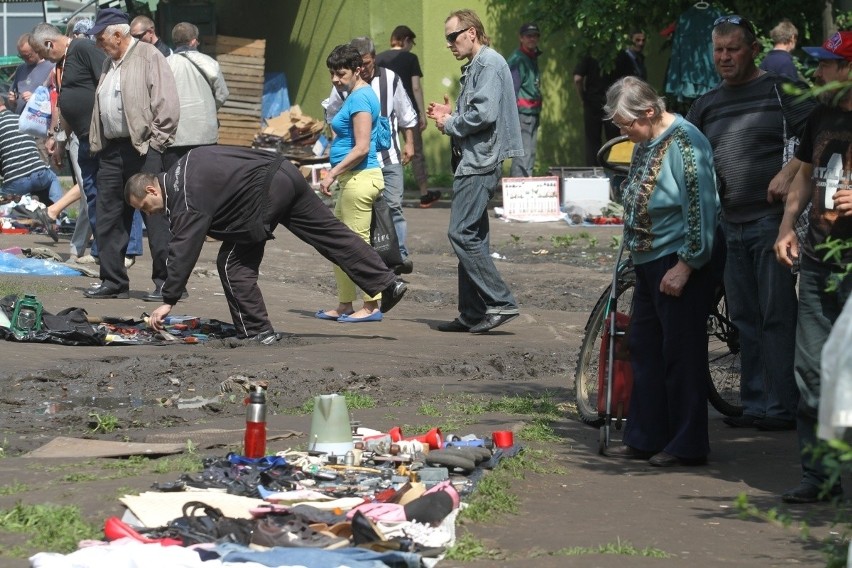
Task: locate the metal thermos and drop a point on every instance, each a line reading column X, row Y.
column 255, row 439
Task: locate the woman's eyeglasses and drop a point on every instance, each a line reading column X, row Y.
column 622, row 126
column 451, row 38
column 736, row 20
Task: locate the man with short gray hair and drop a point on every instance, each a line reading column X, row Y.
column 134, row 120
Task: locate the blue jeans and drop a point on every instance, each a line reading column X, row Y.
column 42, row 181
column 481, row 288
column 394, row 187
column 88, row 181
column 818, row 310
column 762, row 302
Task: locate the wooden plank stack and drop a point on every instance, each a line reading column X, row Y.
column 242, row 63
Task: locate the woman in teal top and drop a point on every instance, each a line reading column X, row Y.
column 671, row 218
column 356, row 169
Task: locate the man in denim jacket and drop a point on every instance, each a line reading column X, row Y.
column 486, row 129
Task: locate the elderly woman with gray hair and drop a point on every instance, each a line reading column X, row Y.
column 671, row 217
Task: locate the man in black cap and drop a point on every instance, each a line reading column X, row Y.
column 523, row 64
column 239, row 196
column 134, row 120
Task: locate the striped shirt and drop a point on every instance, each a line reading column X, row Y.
column 748, row 126
column 393, row 103
column 18, row 153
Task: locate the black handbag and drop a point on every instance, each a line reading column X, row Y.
column 383, row 234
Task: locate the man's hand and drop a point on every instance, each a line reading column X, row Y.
column 843, row 202
column 157, row 317
column 423, row 122
column 26, row 95
column 57, row 153
column 779, row 186
column 439, row 112
column 675, row 279
column 786, row 247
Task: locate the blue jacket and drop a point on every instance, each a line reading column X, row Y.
column 485, row 122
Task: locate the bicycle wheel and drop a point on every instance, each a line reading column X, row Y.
column 588, row 359
column 723, row 356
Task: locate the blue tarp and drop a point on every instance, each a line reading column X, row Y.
column 276, row 97
column 11, row 264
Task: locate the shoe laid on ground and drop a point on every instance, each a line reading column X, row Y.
column 157, row 295
column 744, row 421
column 265, row 337
column 290, row 531
column 375, row 316
column 662, row 459
column 392, row 295
column 626, row 452
column 324, row 315
column 42, row 217
column 490, row 321
column 103, row 291
column 407, row 267
column 129, row 261
column 431, row 197
column 453, row 326
column 809, row 493
column 769, row 424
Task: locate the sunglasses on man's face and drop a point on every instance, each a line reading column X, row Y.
column 140, row 35
column 452, row 37
column 736, row 20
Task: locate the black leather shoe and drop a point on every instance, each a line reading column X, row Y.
column 744, row 421
column 102, row 291
column 662, row 459
column 453, row 326
column 49, row 224
column 490, row 321
column 265, row 338
column 626, row 452
column 407, row 267
column 808, row 493
column 392, row 295
column 157, row 295
column 770, row 424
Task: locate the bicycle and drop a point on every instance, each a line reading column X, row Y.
column 597, row 355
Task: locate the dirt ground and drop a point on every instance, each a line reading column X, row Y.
column 403, row 363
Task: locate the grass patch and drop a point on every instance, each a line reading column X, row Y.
column 429, row 409
column 617, row 547
column 20, row 286
column 468, row 548
column 538, row 430
column 189, row 463
column 14, row 488
column 50, row 527
column 79, row 476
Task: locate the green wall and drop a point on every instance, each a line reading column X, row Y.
column 301, row 33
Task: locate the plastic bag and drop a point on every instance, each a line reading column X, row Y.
column 383, row 134
column 383, row 234
column 35, row 119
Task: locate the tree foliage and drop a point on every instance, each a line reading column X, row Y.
column 601, row 27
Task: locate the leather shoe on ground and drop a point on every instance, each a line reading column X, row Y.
column 744, row 421
column 392, row 295
column 808, row 493
column 407, row 267
column 265, row 337
column 490, row 321
column 157, row 296
column 627, row 453
column 453, row 326
column 49, row 224
column 662, row 459
column 102, row 291
column 769, row 424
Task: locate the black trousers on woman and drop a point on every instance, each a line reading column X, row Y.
column 668, row 353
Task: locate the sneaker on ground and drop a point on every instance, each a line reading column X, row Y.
column 87, row 259
column 129, row 261
column 431, row 197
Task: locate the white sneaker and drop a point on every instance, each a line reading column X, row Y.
column 86, row 259
column 129, row 261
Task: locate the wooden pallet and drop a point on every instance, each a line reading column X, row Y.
column 242, row 62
